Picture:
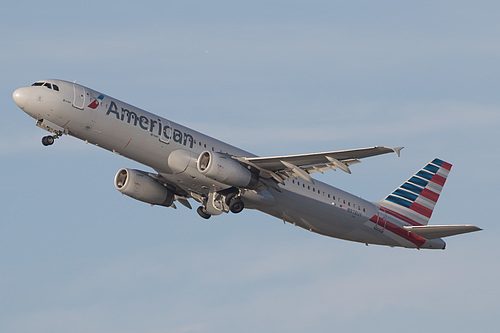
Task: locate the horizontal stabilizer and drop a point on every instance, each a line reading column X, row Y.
column 439, row 231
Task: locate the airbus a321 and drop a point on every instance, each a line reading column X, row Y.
column 224, row 179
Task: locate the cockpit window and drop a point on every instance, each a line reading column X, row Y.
column 46, row 85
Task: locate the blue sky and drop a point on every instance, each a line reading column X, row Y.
column 272, row 77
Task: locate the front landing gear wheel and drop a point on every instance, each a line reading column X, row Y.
column 203, row 213
column 48, row 140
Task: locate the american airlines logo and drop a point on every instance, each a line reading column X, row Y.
column 154, row 126
column 95, row 102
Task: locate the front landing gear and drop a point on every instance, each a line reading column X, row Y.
column 53, row 128
column 48, row 140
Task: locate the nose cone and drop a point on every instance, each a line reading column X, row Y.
column 21, row 97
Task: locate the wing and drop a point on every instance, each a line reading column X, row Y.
column 290, row 166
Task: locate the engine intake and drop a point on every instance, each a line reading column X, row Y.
column 224, row 169
column 138, row 185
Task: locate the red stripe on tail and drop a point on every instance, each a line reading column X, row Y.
column 446, row 165
column 417, row 240
column 430, row 195
column 438, row 180
column 421, row 209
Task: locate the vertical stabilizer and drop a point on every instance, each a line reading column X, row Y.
column 415, row 199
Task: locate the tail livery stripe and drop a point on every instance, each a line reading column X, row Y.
column 431, row 168
column 438, row 180
column 415, row 189
column 425, row 175
column 418, row 181
column 417, row 240
column 421, row 210
column 400, row 217
column 429, row 195
column 416, row 198
column 442, row 164
column 399, row 201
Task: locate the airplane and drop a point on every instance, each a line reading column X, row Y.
column 223, row 178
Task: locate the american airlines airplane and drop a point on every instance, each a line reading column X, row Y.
column 223, row 178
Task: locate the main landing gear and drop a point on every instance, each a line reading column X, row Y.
column 203, row 213
column 234, row 203
column 220, row 202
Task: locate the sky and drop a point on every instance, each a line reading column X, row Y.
column 273, row 78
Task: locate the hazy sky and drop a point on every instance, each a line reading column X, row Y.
column 272, row 77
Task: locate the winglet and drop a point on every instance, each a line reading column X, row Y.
column 397, row 150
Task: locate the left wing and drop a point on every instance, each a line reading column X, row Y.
column 290, row 166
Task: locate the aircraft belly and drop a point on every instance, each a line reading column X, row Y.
column 315, row 215
column 330, row 220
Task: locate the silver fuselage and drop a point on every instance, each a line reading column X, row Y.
column 150, row 140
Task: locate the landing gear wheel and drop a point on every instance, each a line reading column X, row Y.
column 48, row 140
column 236, row 205
column 229, row 198
column 203, row 213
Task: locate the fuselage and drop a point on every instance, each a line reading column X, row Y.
column 172, row 150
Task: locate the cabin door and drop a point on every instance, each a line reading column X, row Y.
column 381, row 221
column 78, row 96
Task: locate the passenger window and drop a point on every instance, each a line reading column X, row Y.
column 56, row 88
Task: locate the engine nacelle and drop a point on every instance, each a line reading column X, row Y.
column 138, row 185
column 224, row 169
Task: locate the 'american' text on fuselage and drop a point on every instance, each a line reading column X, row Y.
column 151, row 125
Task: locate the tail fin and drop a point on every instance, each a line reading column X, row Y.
column 415, row 199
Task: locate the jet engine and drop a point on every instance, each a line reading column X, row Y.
column 140, row 186
column 224, row 169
